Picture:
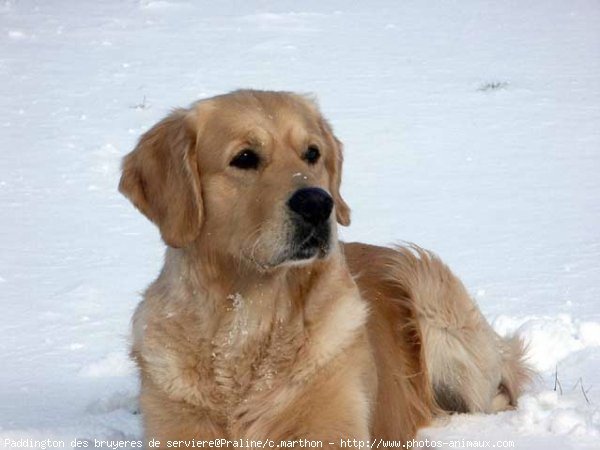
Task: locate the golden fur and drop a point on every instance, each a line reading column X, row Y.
column 234, row 340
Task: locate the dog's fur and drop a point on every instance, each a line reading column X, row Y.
column 237, row 339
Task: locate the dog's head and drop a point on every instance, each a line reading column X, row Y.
column 252, row 174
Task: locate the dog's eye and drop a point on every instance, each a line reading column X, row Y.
column 246, row 159
column 312, row 155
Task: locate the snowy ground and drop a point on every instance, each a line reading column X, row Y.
column 471, row 128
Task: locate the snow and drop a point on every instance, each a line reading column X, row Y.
column 470, row 128
column 550, row 339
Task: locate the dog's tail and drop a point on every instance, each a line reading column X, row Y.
column 516, row 373
column 470, row 367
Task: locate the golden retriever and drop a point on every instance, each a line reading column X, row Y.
column 261, row 324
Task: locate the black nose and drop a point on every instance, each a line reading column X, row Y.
column 314, row 205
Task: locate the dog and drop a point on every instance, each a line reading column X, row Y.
column 261, row 324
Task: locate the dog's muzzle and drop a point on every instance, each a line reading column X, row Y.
column 310, row 210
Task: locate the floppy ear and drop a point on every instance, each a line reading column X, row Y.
column 160, row 177
column 334, row 167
